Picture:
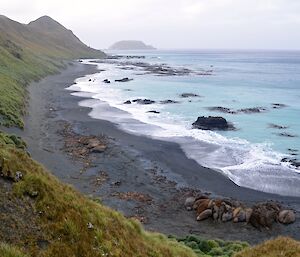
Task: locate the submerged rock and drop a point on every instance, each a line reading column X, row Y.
column 186, row 95
column 212, row 123
column 123, row 80
column 275, row 126
column 293, row 162
column 285, row 134
column 221, row 109
column 156, row 112
column 278, row 106
column 143, row 101
column 168, row 102
column 106, row 81
column 252, row 110
column 127, row 102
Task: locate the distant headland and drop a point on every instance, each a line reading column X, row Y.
column 131, row 45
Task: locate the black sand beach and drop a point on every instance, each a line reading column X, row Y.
column 151, row 170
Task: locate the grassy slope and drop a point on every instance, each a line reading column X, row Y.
column 63, row 216
column 280, row 247
column 28, row 53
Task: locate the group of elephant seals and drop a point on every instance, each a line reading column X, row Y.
column 260, row 215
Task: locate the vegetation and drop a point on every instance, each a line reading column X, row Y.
column 280, row 247
column 41, row 216
column 211, row 248
column 71, row 224
column 29, row 53
column 9, row 251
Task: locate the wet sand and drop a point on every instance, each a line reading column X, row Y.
column 157, row 174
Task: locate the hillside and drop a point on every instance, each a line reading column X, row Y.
column 28, row 53
column 41, row 216
column 131, row 45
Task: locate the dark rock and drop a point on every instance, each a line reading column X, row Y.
column 127, row 102
column 285, row 134
column 90, row 79
column 293, row 162
column 292, row 150
column 123, row 80
column 43, row 244
column 278, row 106
column 221, row 109
column 168, row 102
column 186, row 95
column 143, row 101
column 212, row 123
column 106, row 81
column 272, row 125
column 156, row 112
column 252, row 110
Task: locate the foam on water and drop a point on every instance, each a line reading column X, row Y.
column 247, row 164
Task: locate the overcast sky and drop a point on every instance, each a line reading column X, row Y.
column 245, row 24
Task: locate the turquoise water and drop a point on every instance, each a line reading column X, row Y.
column 251, row 155
column 240, row 80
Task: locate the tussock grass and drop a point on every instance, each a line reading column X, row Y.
column 74, row 225
column 279, row 247
column 211, row 248
column 29, row 53
column 9, row 251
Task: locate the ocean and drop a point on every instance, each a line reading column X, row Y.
column 251, row 156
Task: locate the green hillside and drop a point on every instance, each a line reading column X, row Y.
column 28, row 53
column 43, row 217
column 39, row 215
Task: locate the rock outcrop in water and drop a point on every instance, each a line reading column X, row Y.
column 187, row 95
column 221, row 109
column 275, row 126
column 123, row 80
column 212, row 123
column 252, row 110
column 278, row 106
column 143, row 101
column 168, row 102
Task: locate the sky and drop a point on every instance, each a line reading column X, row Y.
column 171, row 24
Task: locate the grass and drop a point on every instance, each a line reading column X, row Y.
column 29, row 53
column 9, row 251
column 74, row 225
column 279, row 247
column 211, row 248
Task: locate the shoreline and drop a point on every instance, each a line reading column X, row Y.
column 137, row 162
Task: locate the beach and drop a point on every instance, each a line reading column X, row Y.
column 142, row 177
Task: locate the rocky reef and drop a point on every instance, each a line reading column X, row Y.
column 212, row 123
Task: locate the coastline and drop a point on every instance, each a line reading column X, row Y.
column 136, row 161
